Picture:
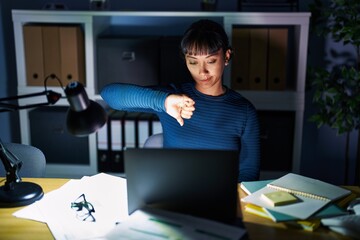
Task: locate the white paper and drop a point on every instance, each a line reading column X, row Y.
column 106, row 193
column 155, row 224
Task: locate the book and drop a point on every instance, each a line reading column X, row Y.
column 279, row 198
column 259, row 211
column 330, row 210
column 307, row 225
column 308, row 187
column 252, row 186
column 307, row 205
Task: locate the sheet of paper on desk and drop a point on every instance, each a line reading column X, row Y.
column 107, row 194
column 155, row 224
column 32, row 211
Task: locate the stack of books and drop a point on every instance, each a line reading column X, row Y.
column 295, row 200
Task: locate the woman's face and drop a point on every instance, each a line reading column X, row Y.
column 207, row 71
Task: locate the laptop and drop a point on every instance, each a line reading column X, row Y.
column 201, row 183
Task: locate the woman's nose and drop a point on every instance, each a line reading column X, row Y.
column 203, row 69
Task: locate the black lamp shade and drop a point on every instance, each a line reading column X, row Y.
column 84, row 116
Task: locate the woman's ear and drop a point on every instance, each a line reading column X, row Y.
column 228, row 56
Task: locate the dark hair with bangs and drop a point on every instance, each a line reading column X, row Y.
column 204, row 37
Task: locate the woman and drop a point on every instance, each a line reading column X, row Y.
column 203, row 114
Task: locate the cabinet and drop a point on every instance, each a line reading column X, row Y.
column 98, row 24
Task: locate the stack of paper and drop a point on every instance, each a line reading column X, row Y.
column 107, row 195
column 306, row 212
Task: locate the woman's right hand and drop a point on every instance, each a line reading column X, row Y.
column 180, row 107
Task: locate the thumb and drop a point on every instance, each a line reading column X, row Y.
column 180, row 120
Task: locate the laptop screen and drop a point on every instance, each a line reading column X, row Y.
column 201, row 183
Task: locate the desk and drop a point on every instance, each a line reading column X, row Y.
column 18, row 228
column 258, row 228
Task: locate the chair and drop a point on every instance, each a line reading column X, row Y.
column 154, row 141
column 34, row 161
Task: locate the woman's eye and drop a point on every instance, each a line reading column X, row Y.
column 192, row 63
column 212, row 61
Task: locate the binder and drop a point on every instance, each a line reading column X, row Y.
column 117, row 141
column 278, row 44
column 109, row 144
column 102, row 147
column 258, row 58
column 72, row 54
column 123, row 130
column 131, row 130
column 156, row 126
column 240, row 62
column 34, row 56
column 144, row 126
column 52, row 55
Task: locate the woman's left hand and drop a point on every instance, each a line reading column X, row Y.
column 180, row 107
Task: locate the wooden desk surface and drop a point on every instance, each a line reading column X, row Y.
column 258, row 228
column 18, row 228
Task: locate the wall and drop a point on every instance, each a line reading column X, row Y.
column 6, row 89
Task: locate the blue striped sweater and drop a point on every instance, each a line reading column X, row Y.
column 226, row 122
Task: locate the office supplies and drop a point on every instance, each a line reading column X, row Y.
column 354, row 206
column 279, row 198
column 15, row 192
column 150, row 223
column 308, row 187
column 277, row 59
column 258, row 58
column 105, row 193
column 308, row 225
column 240, row 62
column 252, row 186
column 347, row 225
column 306, row 206
column 202, row 183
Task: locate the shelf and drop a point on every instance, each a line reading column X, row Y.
column 96, row 24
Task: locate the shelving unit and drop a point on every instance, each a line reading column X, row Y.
column 98, row 23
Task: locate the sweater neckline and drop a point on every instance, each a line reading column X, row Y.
column 214, row 98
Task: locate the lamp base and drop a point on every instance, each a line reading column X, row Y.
column 21, row 194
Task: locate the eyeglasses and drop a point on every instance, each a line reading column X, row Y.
column 84, row 209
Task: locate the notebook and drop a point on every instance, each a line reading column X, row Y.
column 202, row 183
column 308, row 187
column 252, row 186
column 313, row 194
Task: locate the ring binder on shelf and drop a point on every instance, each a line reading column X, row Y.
column 123, row 130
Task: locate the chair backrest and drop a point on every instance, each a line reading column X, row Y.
column 34, row 161
column 154, row 141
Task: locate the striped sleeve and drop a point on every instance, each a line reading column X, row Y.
column 130, row 97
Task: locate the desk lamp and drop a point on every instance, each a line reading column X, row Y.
column 83, row 118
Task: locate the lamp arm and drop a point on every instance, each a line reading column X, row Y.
column 52, row 98
column 11, row 164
